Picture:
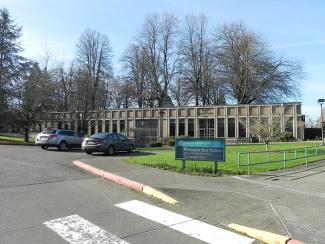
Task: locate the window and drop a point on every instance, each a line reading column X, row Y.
column 122, row 125
column 59, row 124
column 172, row 127
column 241, row 127
column 289, row 124
column 100, row 126
column 92, row 127
column 106, row 125
column 190, row 127
column 121, row 137
column 181, row 127
column 221, row 127
column 231, row 127
column 115, row 126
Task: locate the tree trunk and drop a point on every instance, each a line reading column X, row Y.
column 26, row 130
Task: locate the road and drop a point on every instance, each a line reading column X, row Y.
column 46, row 199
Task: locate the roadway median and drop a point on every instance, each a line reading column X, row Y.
column 134, row 185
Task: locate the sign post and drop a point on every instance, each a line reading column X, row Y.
column 200, row 150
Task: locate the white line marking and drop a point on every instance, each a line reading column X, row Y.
column 188, row 226
column 77, row 230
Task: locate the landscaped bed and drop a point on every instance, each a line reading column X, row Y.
column 14, row 139
column 165, row 159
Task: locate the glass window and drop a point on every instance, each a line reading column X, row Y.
column 122, row 125
column 98, row 136
column 172, row 127
column 92, row 126
column 66, row 125
column 122, row 137
column 48, row 131
column 221, row 127
column 242, row 127
column 231, row 127
column 100, row 126
column 59, row 124
column 289, row 124
column 106, row 125
column 190, row 127
column 115, row 126
column 181, row 127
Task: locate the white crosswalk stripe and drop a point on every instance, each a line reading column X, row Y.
column 191, row 227
column 77, row 230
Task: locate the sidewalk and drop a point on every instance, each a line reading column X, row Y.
column 249, row 201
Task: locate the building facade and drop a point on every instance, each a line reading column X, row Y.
column 147, row 124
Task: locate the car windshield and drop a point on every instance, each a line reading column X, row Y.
column 48, row 131
column 98, row 136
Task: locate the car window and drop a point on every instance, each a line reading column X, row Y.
column 98, row 136
column 48, row 131
column 69, row 133
column 122, row 138
column 66, row 133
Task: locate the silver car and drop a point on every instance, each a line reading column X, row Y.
column 61, row 138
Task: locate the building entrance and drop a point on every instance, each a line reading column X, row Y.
column 206, row 128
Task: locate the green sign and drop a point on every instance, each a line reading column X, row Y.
column 200, row 149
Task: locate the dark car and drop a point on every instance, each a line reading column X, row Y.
column 109, row 143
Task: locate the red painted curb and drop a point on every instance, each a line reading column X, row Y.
column 109, row 176
column 291, row 241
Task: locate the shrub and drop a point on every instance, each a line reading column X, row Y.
column 287, row 137
column 156, row 144
column 171, row 142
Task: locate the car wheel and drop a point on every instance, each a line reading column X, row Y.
column 88, row 152
column 44, row 147
column 63, row 146
column 110, row 151
column 131, row 148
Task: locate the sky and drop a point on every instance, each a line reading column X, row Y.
column 294, row 29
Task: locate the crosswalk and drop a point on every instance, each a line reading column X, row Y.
column 76, row 229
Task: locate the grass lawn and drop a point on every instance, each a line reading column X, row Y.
column 18, row 139
column 165, row 159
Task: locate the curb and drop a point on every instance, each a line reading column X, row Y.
column 134, row 185
column 16, row 144
column 264, row 236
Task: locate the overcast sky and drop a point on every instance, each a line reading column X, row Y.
column 295, row 29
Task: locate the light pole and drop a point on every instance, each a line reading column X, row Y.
column 321, row 102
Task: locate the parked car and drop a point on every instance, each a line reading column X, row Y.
column 61, row 138
column 109, row 143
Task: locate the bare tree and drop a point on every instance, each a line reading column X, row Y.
column 136, row 75
column 62, row 85
column 265, row 129
column 151, row 61
column 251, row 71
column 94, row 58
column 197, row 62
column 31, row 98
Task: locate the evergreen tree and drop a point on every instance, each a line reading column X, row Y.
column 11, row 63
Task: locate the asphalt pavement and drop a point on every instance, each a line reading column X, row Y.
column 37, row 186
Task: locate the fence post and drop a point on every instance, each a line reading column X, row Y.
column 295, row 154
column 306, row 156
column 316, row 151
column 249, row 163
column 284, row 160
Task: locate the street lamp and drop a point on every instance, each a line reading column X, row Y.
column 321, row 102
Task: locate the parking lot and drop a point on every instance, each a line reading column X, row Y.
column 38, row 185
